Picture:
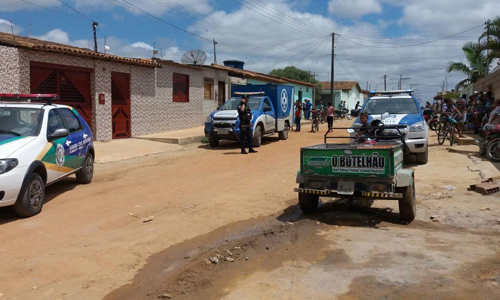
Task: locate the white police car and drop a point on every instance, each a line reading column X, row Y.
column 400, row 108
column 40, row 143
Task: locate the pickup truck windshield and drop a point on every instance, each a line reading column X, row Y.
column 232, row 104
column 20, row 121
column 391, row 105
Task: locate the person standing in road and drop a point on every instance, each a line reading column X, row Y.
column 357, row 106
column 298, row 114
column 330, row 113
column 307, row 109
column 245, row 116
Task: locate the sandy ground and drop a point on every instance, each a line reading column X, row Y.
column 90, row 241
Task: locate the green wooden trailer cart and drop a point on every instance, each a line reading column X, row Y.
column 357, row 171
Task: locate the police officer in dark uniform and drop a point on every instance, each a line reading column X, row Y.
column 245, row 116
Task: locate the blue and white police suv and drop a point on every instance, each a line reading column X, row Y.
column 40, row 143
column 400, row 108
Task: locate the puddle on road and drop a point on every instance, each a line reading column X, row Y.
column 290, row 244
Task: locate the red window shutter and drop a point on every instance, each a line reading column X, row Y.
column 181, row 88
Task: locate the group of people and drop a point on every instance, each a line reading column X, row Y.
column 317, row 112
column 472, row 111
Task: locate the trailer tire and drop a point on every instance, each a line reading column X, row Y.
column 408, row 204
column 284, row 133
column 257, row 136
column 308, row 202
column 213, row 142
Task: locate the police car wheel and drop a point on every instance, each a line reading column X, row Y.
column 284, row 134
column 86, row 173
column 213, row 142
column 257, row 137
column 423, row 158
column 31, row 198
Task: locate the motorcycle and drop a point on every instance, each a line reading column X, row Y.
column 493, row 150
column 491, row 133
column 434, row 123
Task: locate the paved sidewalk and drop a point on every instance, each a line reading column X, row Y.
column 123, row 149
column 179, row 137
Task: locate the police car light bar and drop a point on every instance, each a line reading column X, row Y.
column 47, row 98
column 392, row 92
column 249, row 93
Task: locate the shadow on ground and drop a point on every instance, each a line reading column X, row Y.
column 8, row 214
column 339, row 213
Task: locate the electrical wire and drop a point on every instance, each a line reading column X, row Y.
column 76, row 11
column 52, row 10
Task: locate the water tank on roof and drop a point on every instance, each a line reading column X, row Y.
column 238, row 64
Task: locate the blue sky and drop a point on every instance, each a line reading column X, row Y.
column 374, row 35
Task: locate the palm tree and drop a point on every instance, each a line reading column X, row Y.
column 494, row 43
column 478, row 64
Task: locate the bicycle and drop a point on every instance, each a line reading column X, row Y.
column 447, row 131
column 315, row 123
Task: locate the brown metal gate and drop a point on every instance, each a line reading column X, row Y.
column 120, row 104
column 72, row 84
column 222, row 93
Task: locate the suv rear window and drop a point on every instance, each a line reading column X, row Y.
column 391, row 105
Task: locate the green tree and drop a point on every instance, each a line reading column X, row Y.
column 493, row 44
column 478, row 64
column 292, row 72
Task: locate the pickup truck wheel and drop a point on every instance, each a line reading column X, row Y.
column 308, row 203
column 284, row 134
column 31, row 198
column 423, row 158
column 408, row 204
column 86, row 173
column 257, row 137
column 213, row 142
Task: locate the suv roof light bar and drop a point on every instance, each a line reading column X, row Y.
column 47, row 98
column 410, row 92
column 249, row 93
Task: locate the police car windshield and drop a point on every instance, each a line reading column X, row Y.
column 232, row 104
column 391, row 105
column 20, row 121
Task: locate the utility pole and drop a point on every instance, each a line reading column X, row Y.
column 366, row 86
column 215, row 53
column 29, row 32
column 94, row 28
column 385, row 82
column 401, row 79
column 333, row 69
column 11, row 27
column 488, row 22
column 446, row 83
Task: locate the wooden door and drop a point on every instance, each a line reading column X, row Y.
column 120, row 105
column 72, row 84
column 222, row 93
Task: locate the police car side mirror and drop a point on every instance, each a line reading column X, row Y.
column 59, row 133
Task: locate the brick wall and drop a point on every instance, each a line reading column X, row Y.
column 152, row 108
column 10, row 76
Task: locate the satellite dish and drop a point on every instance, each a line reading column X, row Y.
column 194, row 57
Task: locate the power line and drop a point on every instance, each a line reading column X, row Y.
column 282, row 22
column 76, row 11
column 52, row 10
column 319, row 57
column 426, row 42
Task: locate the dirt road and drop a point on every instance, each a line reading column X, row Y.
column 90, row 242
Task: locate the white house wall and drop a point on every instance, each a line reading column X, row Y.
column 10, row 76
column 210, row 105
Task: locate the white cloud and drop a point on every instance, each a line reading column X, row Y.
column 5, row 26
column 56, row 35
column 11, row 5
column 353, row 8
column 142, row 45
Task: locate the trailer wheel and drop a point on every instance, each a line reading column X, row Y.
column 308, row 203
column 408, row 204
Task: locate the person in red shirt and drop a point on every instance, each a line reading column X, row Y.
column 298, row 114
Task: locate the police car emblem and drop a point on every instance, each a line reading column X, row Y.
column 284, row 100
column 59, row 155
